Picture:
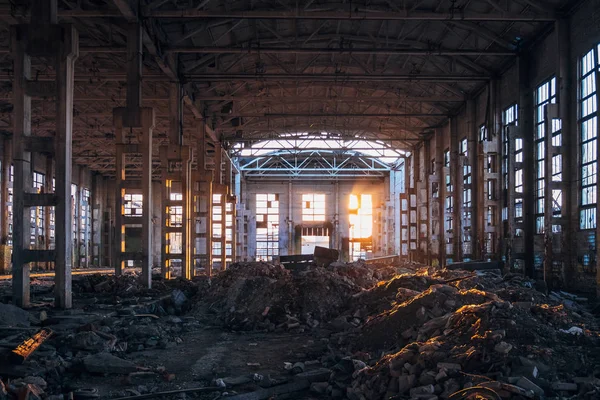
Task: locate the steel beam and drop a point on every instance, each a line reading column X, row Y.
column 340, row 78
column 328, row 50
column 351, row 14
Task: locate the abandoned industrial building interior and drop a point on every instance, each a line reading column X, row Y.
column 299, row 199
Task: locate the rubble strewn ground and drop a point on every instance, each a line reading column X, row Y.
column 259, row 331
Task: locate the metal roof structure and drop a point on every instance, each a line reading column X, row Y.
column 256, row 70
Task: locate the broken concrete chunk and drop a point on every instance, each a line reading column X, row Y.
column 105, row 363
column 406, row 382
column 564, row 386
column 528, row 385
column 319, row 387
column 316, row 375
column 449, row 366
column 503, row 348
column 427, row 389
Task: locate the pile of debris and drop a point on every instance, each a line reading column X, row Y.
column 498, row 336
column 251, row 296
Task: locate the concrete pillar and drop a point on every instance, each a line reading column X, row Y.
column 456, row 175
column 44, row 38
column 22, row 167
column 474, row 160
column 6, row 218
column 49, row 173
column 202, row 184
column 569, row 151
column 526, row 127
column 147, row 127
column 439, row 162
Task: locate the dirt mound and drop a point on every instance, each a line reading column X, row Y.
column 401, row 323
column 265, row 296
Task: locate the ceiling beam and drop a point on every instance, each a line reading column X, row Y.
column 336, row 115
column 341, row 78
column 125, row 11
column 327, row 50
column 167, row 64
column 350, row 14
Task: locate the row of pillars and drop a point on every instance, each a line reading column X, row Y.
column 197, row 207
column 44, row 37
column 493, row 236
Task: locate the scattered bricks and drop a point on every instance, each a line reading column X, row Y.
column 564, row 387
column 427, row 389
column 406, row 382
column 528, row 385
column 503, row 348
column 449, row 366
column 319, row 387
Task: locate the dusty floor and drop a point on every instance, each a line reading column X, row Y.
column 350, row 331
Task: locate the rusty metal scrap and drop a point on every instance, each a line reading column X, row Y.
column 25, row 349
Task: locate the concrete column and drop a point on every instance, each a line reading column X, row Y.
column 49, row 172
column 22, row 169
column 147, row 127
column 526, row 127
column 65, row 74
column 569, row 150
column 456, row 174
column 427, row 201
column 474, row 160
column 439, row 162
column 218, row 173
column 6, row 218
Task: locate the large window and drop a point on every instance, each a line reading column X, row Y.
column 267, row 226
column 510, row 116
column 361, row 225
column 313, row 207
column 132, row 205
column 588, row 123
column 544, row 94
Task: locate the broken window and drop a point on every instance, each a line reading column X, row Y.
column 483, row 134
column 447, row 158
column 132, row 205
column 544, row 94
column 267, row 226
column 313, row 207
column 588, row 124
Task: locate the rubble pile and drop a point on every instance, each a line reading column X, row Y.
column 251, row 296
column 505, row 338
column 362, row 274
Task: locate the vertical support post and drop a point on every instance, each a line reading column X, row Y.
column 290, row 220
column 49, row 171
column 476, row 171
column 119, row 246
column 456, row 175
column 218, row 175
column 65, row 82
column 134, row 74
column 7, row 161
column 22, row 167
column 526, row 128
column 147, row 117
column 425, row 220
column 439, row 162
column 570, row 162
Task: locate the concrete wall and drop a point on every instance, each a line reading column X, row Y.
column 290, row 209
column 583, row 31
